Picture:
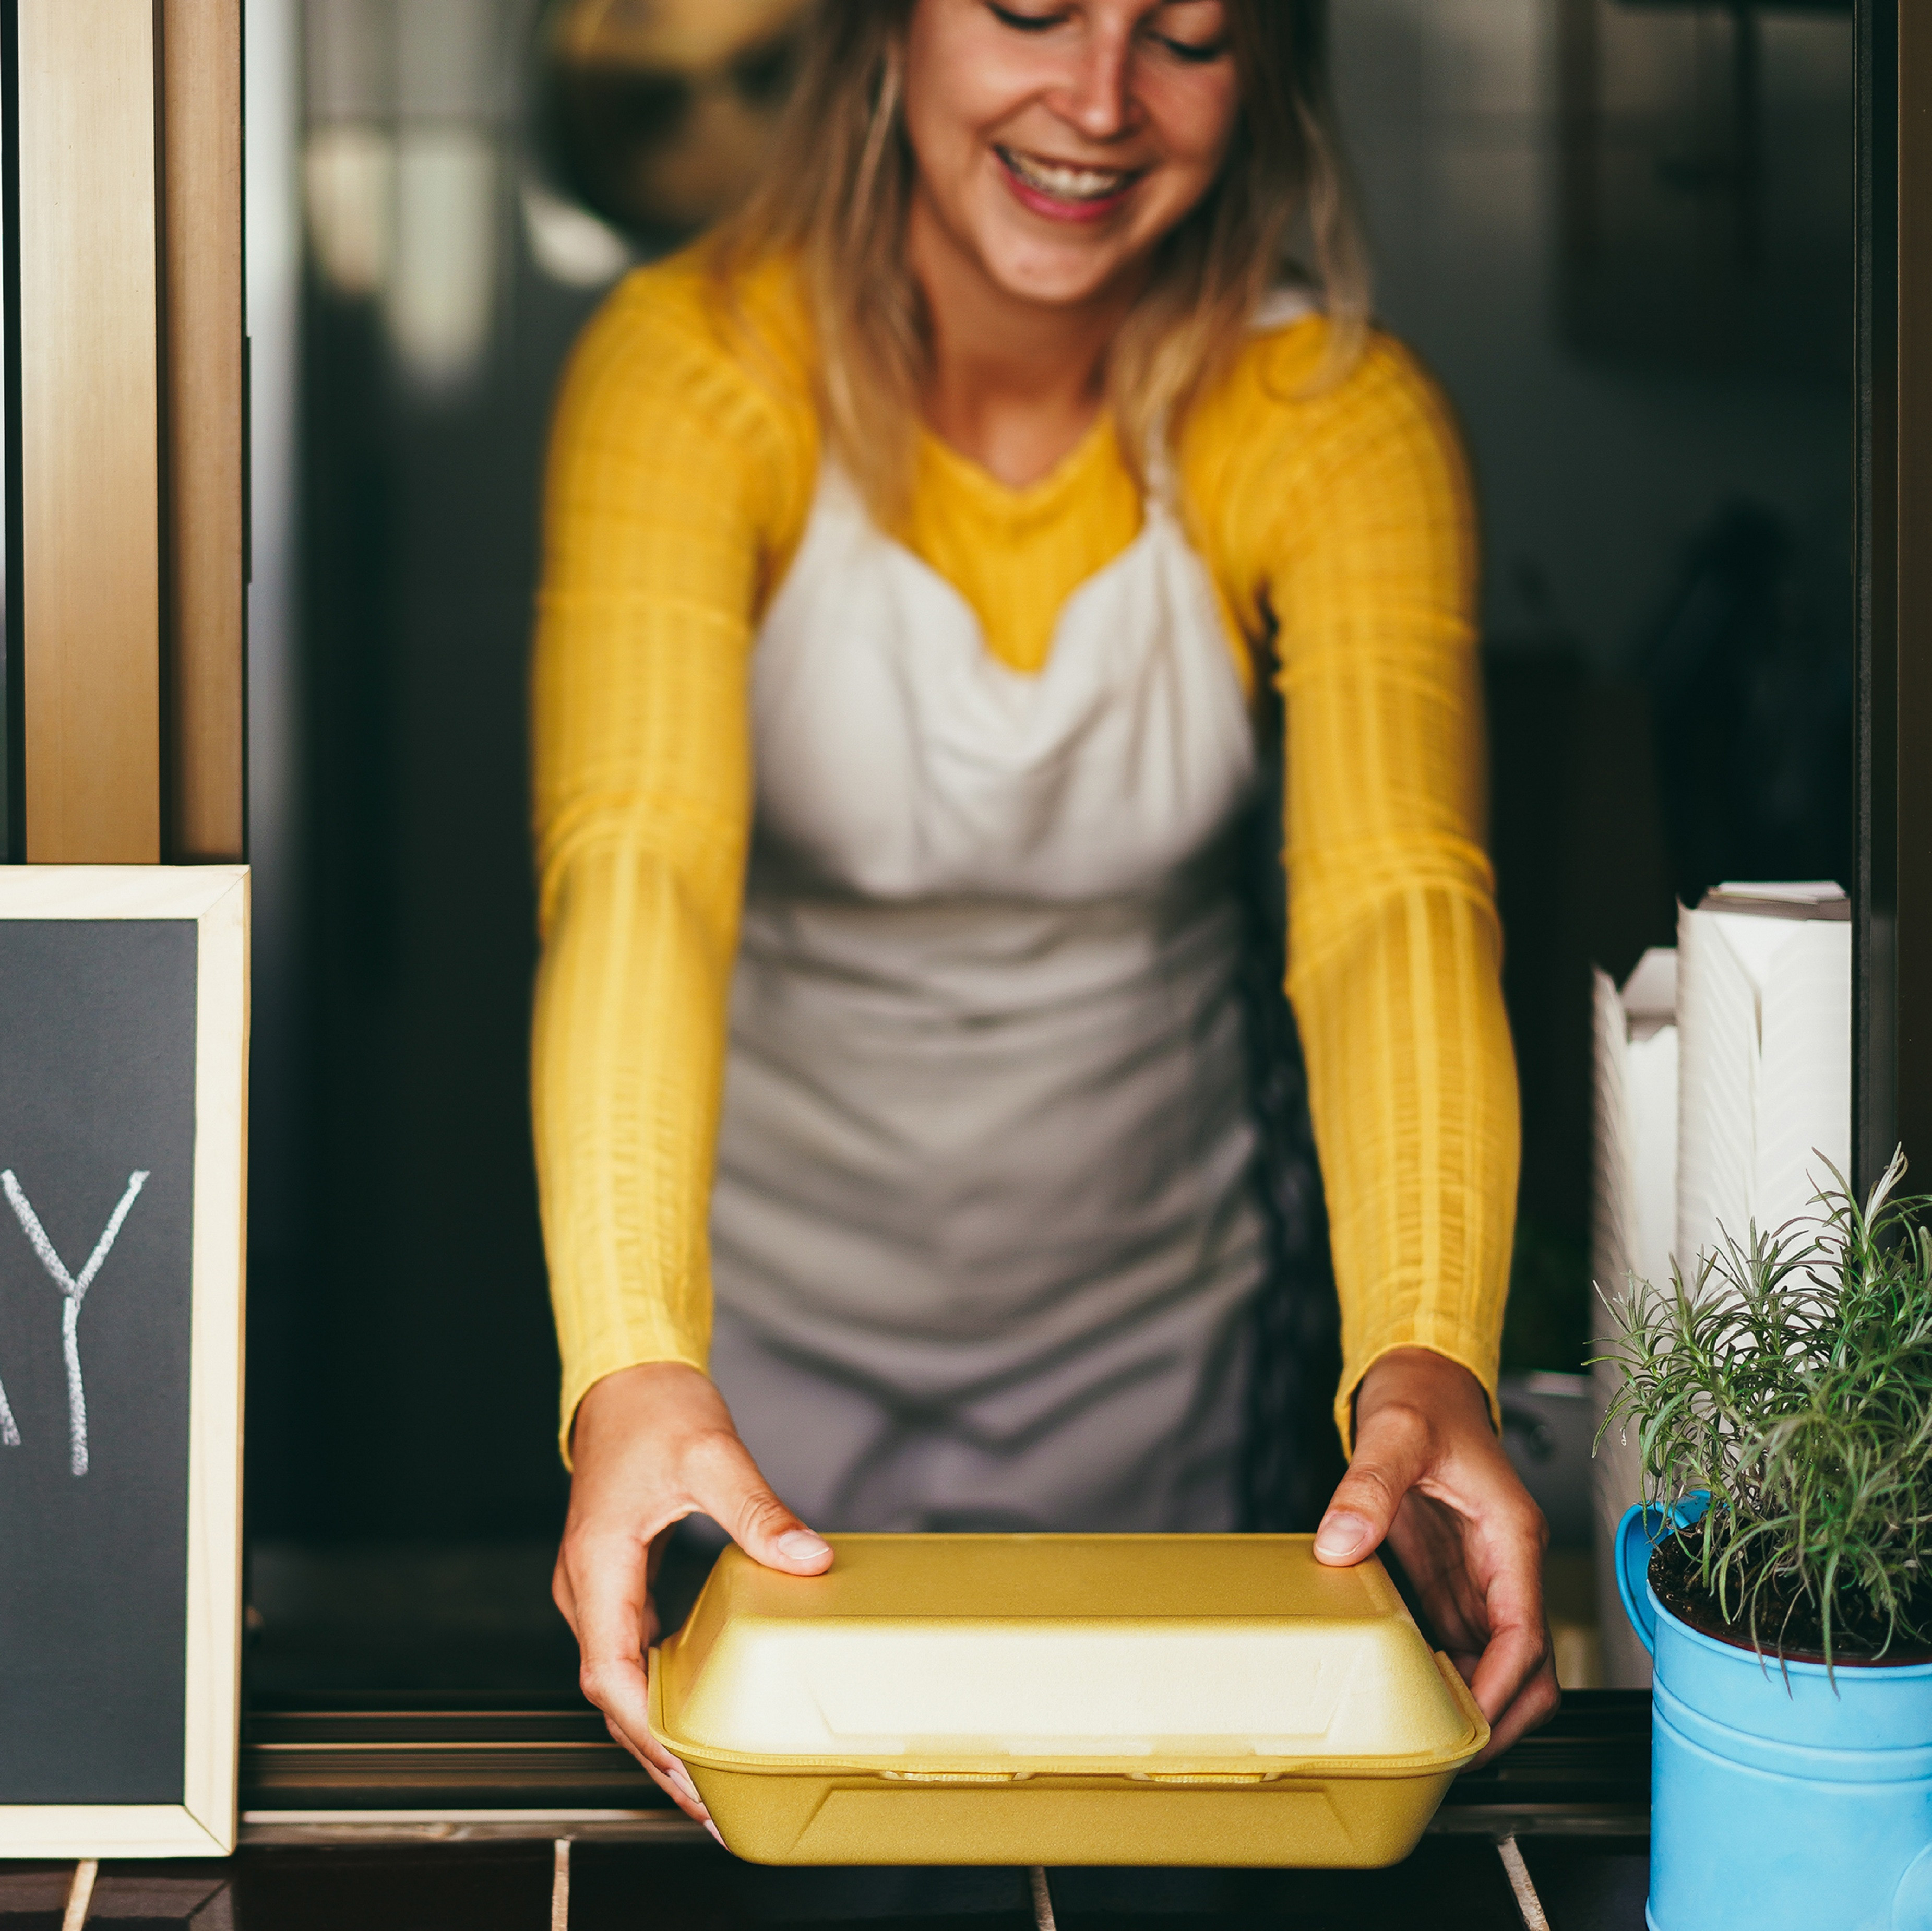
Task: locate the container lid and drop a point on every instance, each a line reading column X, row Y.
column 1149, row 1656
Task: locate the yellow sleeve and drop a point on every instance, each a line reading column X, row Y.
column 678, row 483
column 1342, row 522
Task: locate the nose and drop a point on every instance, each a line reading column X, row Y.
column 1097, row 95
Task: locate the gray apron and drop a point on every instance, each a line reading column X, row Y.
column 985, row 1232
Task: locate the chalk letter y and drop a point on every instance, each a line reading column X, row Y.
column 73, row 1292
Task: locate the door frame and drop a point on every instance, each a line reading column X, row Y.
column 1891, row 1053
column 126, row 443
column 160, row 650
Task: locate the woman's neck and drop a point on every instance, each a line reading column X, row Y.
column 1015, row 384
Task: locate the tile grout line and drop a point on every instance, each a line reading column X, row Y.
column 559, row 1887
column 1042, row 1900
column 80, row 1894
column 1527, row 1902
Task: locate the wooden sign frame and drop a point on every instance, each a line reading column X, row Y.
column 216, row 899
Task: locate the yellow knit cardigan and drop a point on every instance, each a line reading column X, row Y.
column 1337, row 525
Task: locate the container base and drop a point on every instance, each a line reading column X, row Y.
column 1330, row 1824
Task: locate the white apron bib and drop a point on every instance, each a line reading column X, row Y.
column 984, row 1234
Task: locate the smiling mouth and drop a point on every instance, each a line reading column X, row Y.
column 1076, row 186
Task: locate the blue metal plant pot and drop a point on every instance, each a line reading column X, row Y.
column 1780, row 1800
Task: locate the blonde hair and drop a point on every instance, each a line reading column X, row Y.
column 837, row 191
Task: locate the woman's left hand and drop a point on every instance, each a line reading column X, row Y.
column 1430, row 1477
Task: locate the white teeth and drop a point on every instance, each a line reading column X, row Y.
column 1066, row 183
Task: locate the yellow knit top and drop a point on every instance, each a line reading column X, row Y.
column 1337, row 525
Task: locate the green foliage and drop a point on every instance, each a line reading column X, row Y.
column 1792, row 1382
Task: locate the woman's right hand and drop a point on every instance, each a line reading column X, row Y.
column 650, row 1445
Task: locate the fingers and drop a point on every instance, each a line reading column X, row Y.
column 609, row 1613
column 1477, row 1565
column 1430, row 1478
column 656, row 1443
column 1514, row 1683
column 1392, row 1454
column 671, row 1777
column 1487, row 1585
column 652, row 1445
column 1472, row 1542
column 726, row 1485
column 1532, row 1706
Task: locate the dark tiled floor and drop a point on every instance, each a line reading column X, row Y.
column 32, row 1896
column 474, row 1887
column 1451, row 1884
column 703, row 1889
column 1591, row 1884
column 127, row 1897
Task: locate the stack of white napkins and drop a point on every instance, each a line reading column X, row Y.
column 1634, row 1227
column 1764, row 1006
column 1724, row 1086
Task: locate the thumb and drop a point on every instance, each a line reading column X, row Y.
column 1391, row 1454
column 729, row 1490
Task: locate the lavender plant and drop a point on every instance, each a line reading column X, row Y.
column 1790, row 1380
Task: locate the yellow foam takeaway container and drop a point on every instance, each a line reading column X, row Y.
column 1063, row 1700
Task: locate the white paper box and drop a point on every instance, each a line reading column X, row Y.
column 1764, row 1010
column 1634, row 1224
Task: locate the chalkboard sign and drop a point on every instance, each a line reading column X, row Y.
column 124, row 1004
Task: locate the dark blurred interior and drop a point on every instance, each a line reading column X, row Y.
column 1621, row 235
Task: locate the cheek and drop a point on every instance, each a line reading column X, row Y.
column 952, row 88
column 946, row 155
column 1195, row 114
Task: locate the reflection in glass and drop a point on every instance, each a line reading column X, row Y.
column 442, row 277
column 567, row 242
column 1621, row 236
column 405, row 1492
column 660, row 111
column 1659, row 517
column 350, row 178
column 408, row 124
column 1702, row 180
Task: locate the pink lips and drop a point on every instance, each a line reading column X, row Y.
column 1054, row 209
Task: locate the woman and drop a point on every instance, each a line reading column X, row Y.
column 916, row 553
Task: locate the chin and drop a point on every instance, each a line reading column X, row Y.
column 1055, row 291
column 1054, row 277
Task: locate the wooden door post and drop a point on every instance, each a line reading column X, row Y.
column 205, row 614
column 88, row 576
column 129, row 581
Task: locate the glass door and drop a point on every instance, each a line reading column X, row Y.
column 1631, row 240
